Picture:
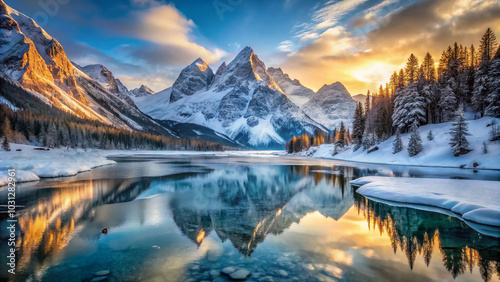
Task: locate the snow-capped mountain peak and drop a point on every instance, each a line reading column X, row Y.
column 193, row 78
column 298, row 93
column 331, row 105
column 142, row 91
column 102, row 75
column 247, row 67
column 336, row 88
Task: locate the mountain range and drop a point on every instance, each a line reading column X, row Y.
column 242, row 103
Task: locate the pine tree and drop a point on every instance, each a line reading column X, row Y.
column 430, row 136
column 485, row 148
column 397, row 145
column 358, row 126
column 415, row 142
column 493, row 97
column 447, row 103
column 7, row 134
column 7, row 131
column 481, row 79
column 51, row 136
column 459, row 132
column 411, row 69
column 5, row 144
column 410, row 107
column 342, row 142
column 427, row 69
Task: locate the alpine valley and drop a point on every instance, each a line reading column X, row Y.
column 241, row 104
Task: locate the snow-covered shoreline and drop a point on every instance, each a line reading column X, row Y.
column 31, row 165
column 477, row 201
column 436, row 153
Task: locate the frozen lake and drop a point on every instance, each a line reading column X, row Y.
column 188, row 217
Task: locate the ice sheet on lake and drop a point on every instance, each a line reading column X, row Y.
column 474, row 200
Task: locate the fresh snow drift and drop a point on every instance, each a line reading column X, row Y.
column 474, row 200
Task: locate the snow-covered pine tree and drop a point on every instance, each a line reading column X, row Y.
column 51, row 136
column 493, row 97
column 358, row 126
column 459, row 132
column 5, row 144
column 447, row 103
column 430, row 136
column 494, row 131
column 485, row 148
column 341, row 141
column 415, row 142
column 397, row 145
column 481, row 79
column 7, row 132
column 410, row 107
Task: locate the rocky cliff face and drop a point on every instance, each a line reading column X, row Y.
column 241, row 101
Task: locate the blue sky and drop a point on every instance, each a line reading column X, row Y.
column 357, row 42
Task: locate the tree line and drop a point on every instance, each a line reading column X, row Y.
column 419, row 94
column 24, row 126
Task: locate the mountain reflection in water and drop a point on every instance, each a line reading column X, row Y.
column 306, row 220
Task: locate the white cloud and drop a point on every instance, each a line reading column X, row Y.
column 332, row 13
column 166, row 26
column 285, row 46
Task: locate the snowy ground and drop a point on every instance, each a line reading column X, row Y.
column 31, row 165
column 436, row 152
column 474, row 200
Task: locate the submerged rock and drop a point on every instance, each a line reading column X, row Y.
column 283, row 273
column 228, row 270
column 241, row 274
column 102, row 273
column 100, row 278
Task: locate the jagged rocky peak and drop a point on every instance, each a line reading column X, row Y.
column 298, row 93
column 193, row 78
column 221, row 69
column 122, row 88
column 102, row 75
column 247, row 67
column 142, row 91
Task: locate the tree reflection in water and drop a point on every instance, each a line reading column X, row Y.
column 416, row 232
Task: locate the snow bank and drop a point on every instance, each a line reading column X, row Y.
column 21, row 176
column 435, row 153
column 474, row 200
column 31, row 164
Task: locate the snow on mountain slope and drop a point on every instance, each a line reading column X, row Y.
column 331, row 105
column 241, row 101
column 29, row 56
column 295, row 91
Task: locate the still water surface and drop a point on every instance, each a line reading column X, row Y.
column 282, row 219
